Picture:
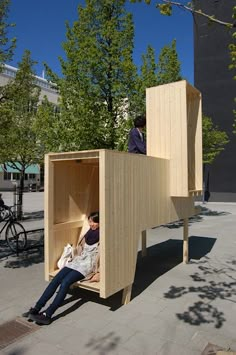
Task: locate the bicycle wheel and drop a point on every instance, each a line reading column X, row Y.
column 16, row 236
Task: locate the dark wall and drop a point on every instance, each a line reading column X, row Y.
column 213, row 78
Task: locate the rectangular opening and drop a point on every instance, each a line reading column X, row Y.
column 193, row 141
column 75, row 185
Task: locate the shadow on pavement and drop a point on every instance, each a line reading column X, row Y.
column 204, row 211
column 33, row 215
column 161, row 258
column 165, row 256
column 203, row 311
column 26, row 259
column 33, row 254
column 104, row 344
column 5, row 251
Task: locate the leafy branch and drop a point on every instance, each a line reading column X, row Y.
column 166, row 7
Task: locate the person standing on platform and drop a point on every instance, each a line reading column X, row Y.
column 137, row 142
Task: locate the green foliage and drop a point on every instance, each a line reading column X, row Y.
column 165, row 9
column 166, row 6
column 6, row 45
column 168, row 68
column 153, row 73
column 214, row 140
column 46, row 127
column 98, row 76
column 146, row 79
column 18, row 141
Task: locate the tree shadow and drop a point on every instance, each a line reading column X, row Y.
column 202, row 311
column 26, row 259
column 33, row 254
column 204, row 211
column 33, row 215
column 5, row 251
column 104, row 344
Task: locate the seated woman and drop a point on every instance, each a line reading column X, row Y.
column 81, row 266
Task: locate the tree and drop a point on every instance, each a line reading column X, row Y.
column 99, row 76
column 214, row 140
column 146, row 79
column 19, row 146
column 6, row 45
column 47, row 127
column 166, row 7
column 168, row 68
column 152, row 73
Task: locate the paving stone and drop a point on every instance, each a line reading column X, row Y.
column 201, row 338
column 141, row 343
column 170, row 348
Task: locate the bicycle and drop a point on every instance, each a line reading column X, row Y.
column 15, row 234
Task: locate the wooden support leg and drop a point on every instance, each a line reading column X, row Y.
column 126, row 294
column 185, row 241
column 144, row 243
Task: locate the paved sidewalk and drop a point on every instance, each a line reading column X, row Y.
column 175, row 308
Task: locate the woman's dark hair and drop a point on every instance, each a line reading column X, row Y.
column 140, row 121
column 94, row 216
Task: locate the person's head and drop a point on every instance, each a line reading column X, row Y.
column 140, row 121
column 93, row 219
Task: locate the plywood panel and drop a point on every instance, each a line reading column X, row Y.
column 178, row 142
column 60, row 239
column 194, row 140
column 71, row 190
column 174, row 133
column 134, row 197
column 49, row 213
column 130, row 205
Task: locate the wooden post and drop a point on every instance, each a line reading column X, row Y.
column 144, row 243
column 185, row 241
column 126, row 294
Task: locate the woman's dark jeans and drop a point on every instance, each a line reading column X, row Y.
column 65, row 278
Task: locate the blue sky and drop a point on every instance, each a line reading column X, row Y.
column 40, row 27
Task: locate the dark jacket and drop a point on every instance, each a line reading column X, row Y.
column 136, row 144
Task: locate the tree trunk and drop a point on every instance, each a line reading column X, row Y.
column 19, row 211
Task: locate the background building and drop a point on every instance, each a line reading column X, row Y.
column 10, row 177
column 9, row 73
column 213, row 78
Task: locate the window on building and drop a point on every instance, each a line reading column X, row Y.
column 31, row 176
column 26, row 177
column 7, row 176
column 16, row 176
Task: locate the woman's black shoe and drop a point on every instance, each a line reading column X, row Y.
column 41, row 318
column 31, row 311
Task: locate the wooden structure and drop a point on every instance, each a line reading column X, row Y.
column 132, row 192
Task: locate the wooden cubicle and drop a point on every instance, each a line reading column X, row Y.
column 132, row 192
